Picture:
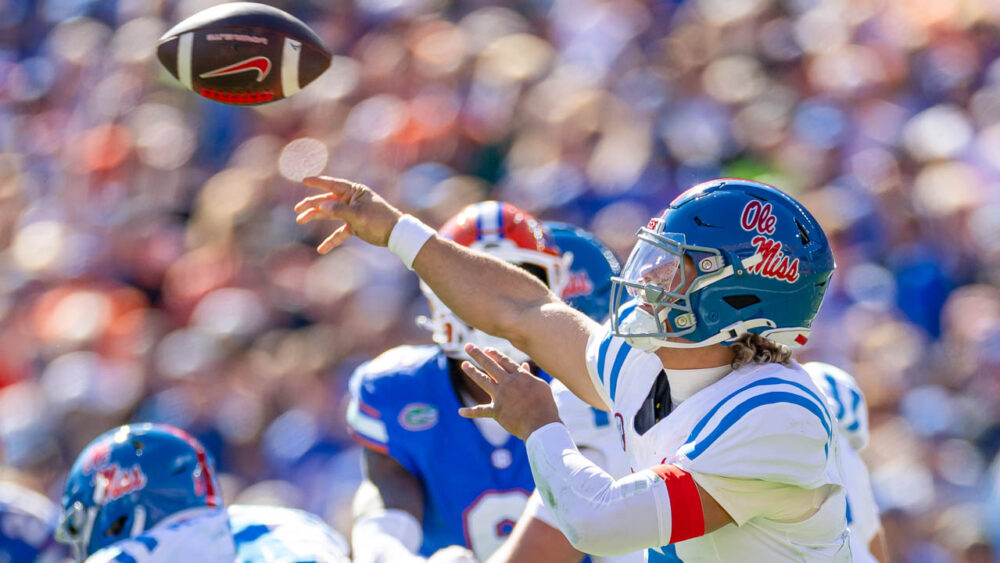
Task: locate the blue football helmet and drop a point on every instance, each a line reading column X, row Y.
column 726, row 257
column 590, row 271
column 128, row 480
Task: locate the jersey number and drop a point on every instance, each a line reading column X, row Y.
column 490, row 519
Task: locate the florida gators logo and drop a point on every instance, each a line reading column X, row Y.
column 261, row 64
column 418, row 416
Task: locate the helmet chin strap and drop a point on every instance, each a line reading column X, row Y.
column 138, row 522
column 641, row 322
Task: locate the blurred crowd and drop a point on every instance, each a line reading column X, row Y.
column 151, row 268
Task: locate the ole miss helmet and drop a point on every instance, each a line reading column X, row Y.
column 591, row 267
column 128, row 480
column 757, row 261
column 510, row 234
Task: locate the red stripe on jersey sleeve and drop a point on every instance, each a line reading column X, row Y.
column 368, row 443
column 686, row 515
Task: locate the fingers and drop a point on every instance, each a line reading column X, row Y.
column 478, row 411
column 335, row 186
column 309, row 215
column 504, row 361
column 486, row 362
column 314, row 201
column 343, row 233
column 480, row 377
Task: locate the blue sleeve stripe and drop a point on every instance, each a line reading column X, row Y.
column 629, row 307
column 600, row 417
column 850, row 517
column 835, row 395
column 853, row 427
column 602, row 354
column 617, row 367
column 766, row 381
column 855, row 402
column 666, row 554
column 772, row 398
column 147, row 541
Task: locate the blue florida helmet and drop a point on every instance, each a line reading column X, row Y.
column 759, row 262
column 128, row 480
column 590, row 271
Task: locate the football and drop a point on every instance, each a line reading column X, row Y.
column 243, row 53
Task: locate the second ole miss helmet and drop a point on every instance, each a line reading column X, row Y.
column 591, row 267
column 131, row 478
column 511, row 234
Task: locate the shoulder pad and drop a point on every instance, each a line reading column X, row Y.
column 401, row 359
column 774, row 427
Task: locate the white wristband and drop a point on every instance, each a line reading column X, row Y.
column 408, row 237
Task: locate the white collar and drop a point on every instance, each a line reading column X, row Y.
column 687, row 382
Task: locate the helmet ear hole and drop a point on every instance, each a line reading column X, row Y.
column 741, row 301
column 116, row 527
column 537, row 271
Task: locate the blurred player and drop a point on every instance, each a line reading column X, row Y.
column 435, row 479
column 847, row 404
column 536, row 537
column 716, row 291
column 148, row 493
column 27, row 526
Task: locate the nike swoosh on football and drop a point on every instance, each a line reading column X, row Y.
column 261, row 64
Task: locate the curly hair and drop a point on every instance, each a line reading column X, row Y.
column 755, row 349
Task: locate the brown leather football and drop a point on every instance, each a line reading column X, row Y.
column 243, row 53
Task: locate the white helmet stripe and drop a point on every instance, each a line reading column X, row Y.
column 490, row 221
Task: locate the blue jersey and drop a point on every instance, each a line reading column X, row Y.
column 27, row 526
column 403, row 404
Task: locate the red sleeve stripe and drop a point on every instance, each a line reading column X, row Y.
column 370, row 444
column 369, row 410
column 686, row 515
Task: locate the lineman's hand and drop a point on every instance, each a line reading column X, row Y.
column 522, row 403
column 364, row 213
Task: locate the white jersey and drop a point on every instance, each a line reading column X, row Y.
column 242, row 534
column 760, row 441
column 847, row 404
column 597, row 438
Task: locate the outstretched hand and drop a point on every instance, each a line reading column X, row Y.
column 522, row 403
column 364, row 213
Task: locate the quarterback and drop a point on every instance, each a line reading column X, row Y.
column 715, row 292
column 147, row 493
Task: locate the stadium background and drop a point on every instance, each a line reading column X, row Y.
column 151, row 268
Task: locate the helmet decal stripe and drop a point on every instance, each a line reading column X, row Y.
column 206, row 474
column 489, row 221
